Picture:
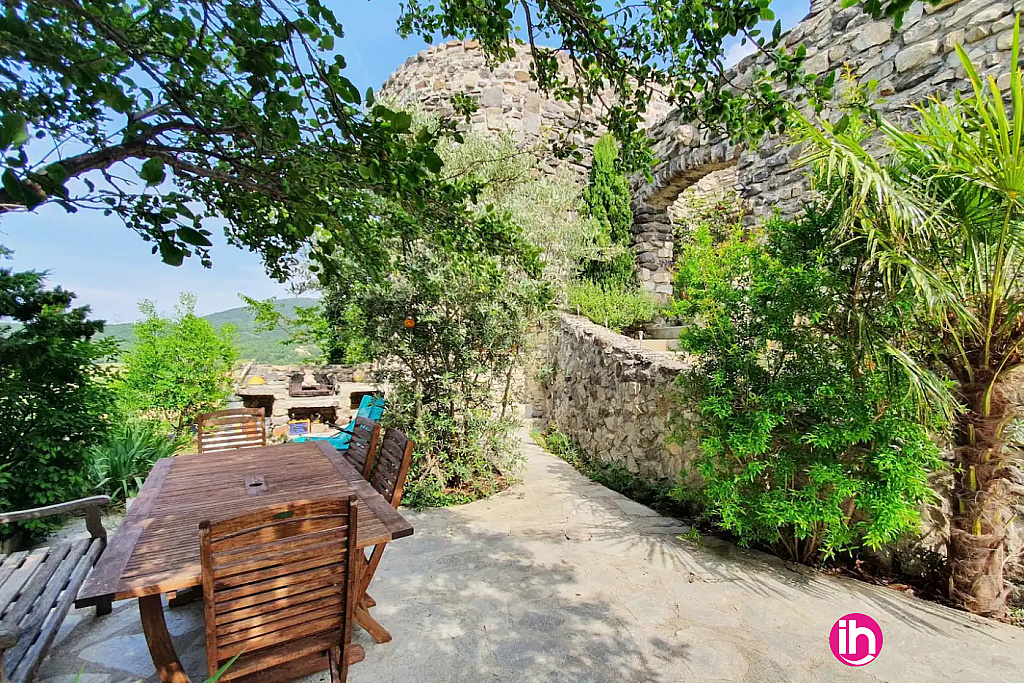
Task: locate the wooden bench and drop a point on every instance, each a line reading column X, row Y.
column 38, row 587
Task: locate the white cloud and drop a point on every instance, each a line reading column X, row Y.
column 735, row 52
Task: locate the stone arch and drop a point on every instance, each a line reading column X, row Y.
column 688, row 155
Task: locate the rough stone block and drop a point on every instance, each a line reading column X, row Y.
column 976, row 33
column 916, row 55
column 872, row 34
column 952, row 39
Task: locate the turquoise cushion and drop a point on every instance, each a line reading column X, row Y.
column 371, row 407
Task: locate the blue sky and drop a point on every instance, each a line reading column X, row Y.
column 111, row 268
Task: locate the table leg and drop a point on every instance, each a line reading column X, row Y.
column 364, row 602
column 371, row 625
column 161, row 649
column 184, row 597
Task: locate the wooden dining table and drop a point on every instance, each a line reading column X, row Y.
column 156, row 549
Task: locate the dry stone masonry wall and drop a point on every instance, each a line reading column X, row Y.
column 617, row 401
column 508, row 98
column 909, row 65
column 614, row 398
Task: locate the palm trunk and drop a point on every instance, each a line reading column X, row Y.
column 977, row 544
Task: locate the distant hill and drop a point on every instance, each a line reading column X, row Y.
column 264, row 347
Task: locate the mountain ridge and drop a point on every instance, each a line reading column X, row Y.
column 263, row 347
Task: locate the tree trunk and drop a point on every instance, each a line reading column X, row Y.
column 981, row 509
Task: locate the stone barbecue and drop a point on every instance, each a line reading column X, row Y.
column 326, row 394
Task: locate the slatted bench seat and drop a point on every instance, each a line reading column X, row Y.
column 38, row 588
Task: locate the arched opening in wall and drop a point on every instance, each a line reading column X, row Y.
column 662, row 217
column 712, row 202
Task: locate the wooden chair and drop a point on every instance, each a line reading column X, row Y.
column 362, row 449
column 234, row 428
column 279, row 591
column 389, row 474
column 38, row 587
column 392, row 466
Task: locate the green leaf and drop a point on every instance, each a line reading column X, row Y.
column 14, row 130
column 153, row 171
column 57, row 173
column 432, row 161
column 193, row 237
column 13, row 186
column 171, row 255
column 349, row 92
column 402, row 121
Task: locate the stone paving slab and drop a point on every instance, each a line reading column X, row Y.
column 558, row 579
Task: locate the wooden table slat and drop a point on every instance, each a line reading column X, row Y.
column 157, row 548
column 105, row 577
column 368, row 496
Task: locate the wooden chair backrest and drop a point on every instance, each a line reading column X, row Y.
column 233, row 428
column 279, row 584
column 362, row 448
column 392, row 466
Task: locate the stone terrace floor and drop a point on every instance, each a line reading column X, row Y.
column 560, row 579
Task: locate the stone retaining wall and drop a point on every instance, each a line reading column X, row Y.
column 614, row 398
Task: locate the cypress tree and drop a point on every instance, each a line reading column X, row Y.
column 607, row 199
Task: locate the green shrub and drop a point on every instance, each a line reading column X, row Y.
column 812, row 440
column 123, row 460
column 179, row 367
column 54, row 396
column 616, row 307
column 447, row 331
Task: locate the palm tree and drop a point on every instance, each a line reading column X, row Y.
column 940, row 207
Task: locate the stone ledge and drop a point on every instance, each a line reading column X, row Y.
column 671, row 362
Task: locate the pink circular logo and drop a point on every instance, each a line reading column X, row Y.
column 856, row 639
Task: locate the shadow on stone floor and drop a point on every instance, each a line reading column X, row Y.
column 714, row 560
column 465, row 605
column 560, row 579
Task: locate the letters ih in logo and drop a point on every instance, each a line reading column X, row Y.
column 856, row 639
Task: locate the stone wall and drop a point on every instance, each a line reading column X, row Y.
column 507, row 97
column 909, row 65
column 614, row 398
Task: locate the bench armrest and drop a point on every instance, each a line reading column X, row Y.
column 8, row 639
column 91, row 505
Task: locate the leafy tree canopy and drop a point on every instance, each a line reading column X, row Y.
column 179, row 367
column 168, row 112
column 240, row 105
